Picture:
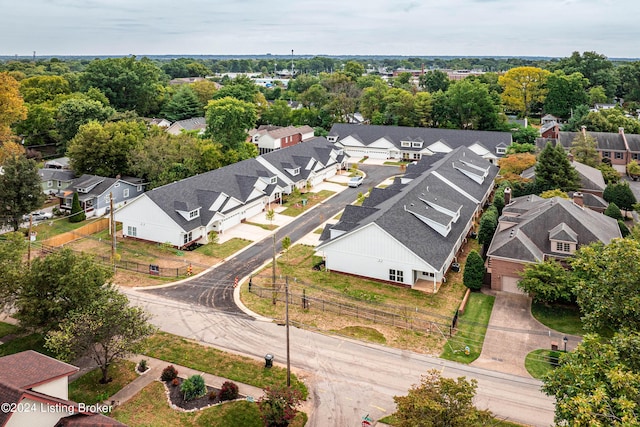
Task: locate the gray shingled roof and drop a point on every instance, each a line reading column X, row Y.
column 48, row 174
column 537, row 218
column 299, row 155
column 607, row 141
column 396, row 213
column 395, row 134
column 590, row 178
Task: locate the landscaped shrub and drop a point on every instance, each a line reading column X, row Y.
column 228, row 391
column 169, row 373
column 142, row 366
column 213, row 395
column 175, row 382
column 193, row 387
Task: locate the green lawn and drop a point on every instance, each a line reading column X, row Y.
column 362, row 333
column 7, row 328
column 472, row 327
column 562, row 318
column 87, row 389
column 223, row 250
column 55, row 226
column 150, row 408
column 541, row 361
column 294, row 203
column 187, row 353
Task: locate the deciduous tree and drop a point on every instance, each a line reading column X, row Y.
column 523, row 87
column 56, row 285
column 12, row 267
column 598, row 383
column 440, row 401
column 434, row 80
column 565, row 92
column 20, row 190
column 76, row 112
column 39, row 89
column 106, row 328
column 547, row 282
column 516, row 163
column 583, row 148
column 228, row 121
column 608, row 285
column 12, row 107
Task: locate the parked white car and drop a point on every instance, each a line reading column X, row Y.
column 356, row 181
column 38, row 216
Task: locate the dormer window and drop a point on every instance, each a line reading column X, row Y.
column 501, row 150
column 563, row 247
column 295, row 171
column 416, row 144
column 405, row 144
column 273, row 180
column 332, row 138
column 194, row 214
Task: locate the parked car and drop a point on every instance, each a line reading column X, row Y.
column 38, row 216
column 356, row 181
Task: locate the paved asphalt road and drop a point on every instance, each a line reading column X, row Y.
column 347, row 379
column 215, row 288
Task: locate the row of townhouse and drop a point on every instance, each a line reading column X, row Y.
column 410, row 233
column 620, row 148
column 412, row 144
column 187, row 211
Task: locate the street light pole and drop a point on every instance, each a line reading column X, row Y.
column 565, row 340
column 286, row 320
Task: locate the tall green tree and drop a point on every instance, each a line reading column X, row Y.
column 472, row 106
column 20, row 190
column 56, row 285
column 39, row 89
column 565, row 92
column 129, row 83
column 595, row 67
column 105, row 149
column 620, row 194
column 598, row 383
column 77, row 213
column 76, row 112
column 434, row 80
column 440, row 401
column 106, row 329
column 488, row 225
column 12, row 267
column 40, row 125
column 241, row 88
column 555, row 171
column 474, row 270
column 584, row 149
column 608, row 285
column 277, row 114
column 547, row 282
column 228, row 121
column 184, row 104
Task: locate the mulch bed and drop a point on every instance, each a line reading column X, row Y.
column 177, row 397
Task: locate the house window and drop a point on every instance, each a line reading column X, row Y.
column 405, row 144
column 606, row 154
column 194, row 214
column 273, row 180
column 49, row 183
column 619, row 155
column 634, row 156
column 501, row 150
column 59, row 184
column 563, row 247
column 396, row 275
column 187, row 238
column 416, row 144
column 116, row 185
column 139, row 188
column 125, row 192
column 106, row 198
column 416, row 156
column 132, row 231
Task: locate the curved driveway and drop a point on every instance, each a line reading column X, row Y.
column 215, row 288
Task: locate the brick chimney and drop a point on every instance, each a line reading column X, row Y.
column 578, row 199
column 507, row 196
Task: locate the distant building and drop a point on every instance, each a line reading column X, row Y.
column 270, row 138
column 197, row 123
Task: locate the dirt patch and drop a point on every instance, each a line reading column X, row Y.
column 177, row 398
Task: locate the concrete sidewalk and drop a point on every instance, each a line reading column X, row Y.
column 155, row 370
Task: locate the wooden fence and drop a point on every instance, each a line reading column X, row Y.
column 78, row 233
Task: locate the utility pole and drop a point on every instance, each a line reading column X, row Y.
column 286, row 320
column 112, row 225
column 291, row 63
column 273, row 270
column 29, row 244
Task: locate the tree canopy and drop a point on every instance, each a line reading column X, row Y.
column 523, row 88
column 228, row 121
column 554, row 170
column 474, row 270
column 20, row 190
column 12, row 107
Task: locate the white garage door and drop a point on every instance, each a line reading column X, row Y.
column 510, row 284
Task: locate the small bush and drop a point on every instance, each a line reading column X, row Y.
column 193, row 387
column 175, row 382
column 169, row 373
column 142, row 366
column 228, row 391
column 213, row 395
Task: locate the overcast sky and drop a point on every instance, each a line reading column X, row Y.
column 331, row 27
